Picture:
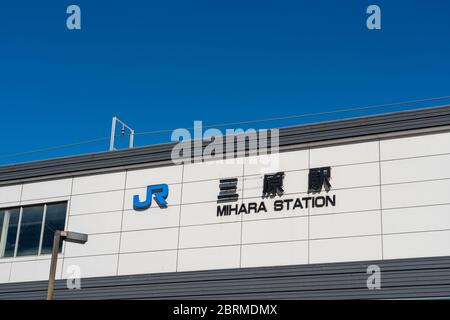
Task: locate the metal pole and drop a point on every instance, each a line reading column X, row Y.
column 113, row 134
column 131, row 138
column 54, row 261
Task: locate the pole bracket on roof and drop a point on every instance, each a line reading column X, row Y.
column 116, row 120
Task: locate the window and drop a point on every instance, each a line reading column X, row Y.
column 9, row 220
column 55, row 218
column 29, row 230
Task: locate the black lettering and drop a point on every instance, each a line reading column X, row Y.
column 288, row 202
column 243, row 209
column 252, row 206
column 319, row 202
column 278, row 205
column 297, row 204
column 222, row 210
column 331, row 201
column 307, row 199
column 262, row 207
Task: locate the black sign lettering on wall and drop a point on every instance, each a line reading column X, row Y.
column 273, row 185
column 228, row 190
column 318, row 178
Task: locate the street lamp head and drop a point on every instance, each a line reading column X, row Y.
column 75, row 237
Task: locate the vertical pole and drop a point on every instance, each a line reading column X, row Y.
column 131, row 138
column 113, row 134
column 54, row 261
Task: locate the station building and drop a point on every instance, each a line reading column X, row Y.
column 350, row 199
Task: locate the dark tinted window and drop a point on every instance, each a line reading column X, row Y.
column 38, row 224
column 30, row 230
column 55, row 219
column 8, row 232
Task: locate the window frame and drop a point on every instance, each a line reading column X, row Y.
column 41, row 234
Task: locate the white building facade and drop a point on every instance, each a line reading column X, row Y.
column 388, row 202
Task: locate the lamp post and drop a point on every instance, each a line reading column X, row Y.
column 68, row 236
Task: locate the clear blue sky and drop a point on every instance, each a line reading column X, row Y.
column 164, row 64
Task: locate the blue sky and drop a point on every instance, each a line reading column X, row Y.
column 163, row 64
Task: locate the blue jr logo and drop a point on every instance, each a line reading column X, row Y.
column 159, row 191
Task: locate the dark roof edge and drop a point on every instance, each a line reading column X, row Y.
column 289, row 136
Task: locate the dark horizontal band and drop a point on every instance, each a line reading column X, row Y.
column 400, row 279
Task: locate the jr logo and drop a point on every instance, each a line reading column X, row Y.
column 159, row 191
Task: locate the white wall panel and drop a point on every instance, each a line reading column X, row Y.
column 107, row 243
column 5, row 269
column 344, row 154
column 416, row 194
column 275, row 254
column 415, row 146
column 357, row 199
column 96, row 222
column 46, row 189
column 205, row 213
column 10, row 194
column 345, row 249
column 415, row 169
column 97, row 202
column 294, row 182
column 44, row 200
column 94, row 266
column 357, row 175
column 285, row 161
column 209, row 258
column 148, row 262
column 345, row 224
column 151, row 218
column 288, row 229
column 149, row 240
column 210, row 235
column 173, row 198
column 213, row 170
column 33, row 270
column 416, row 219
column 99, row 183
column 204, row 191
column 141, row 178
column 422, row 244
column 253, row 186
